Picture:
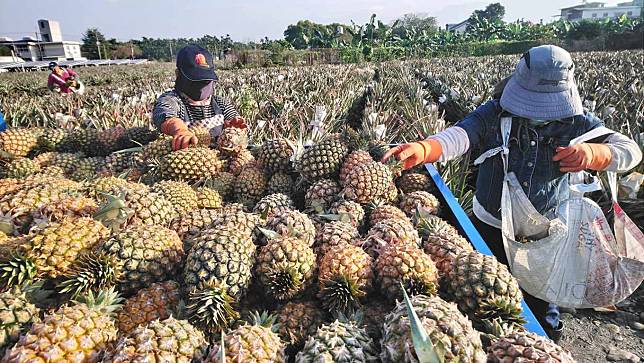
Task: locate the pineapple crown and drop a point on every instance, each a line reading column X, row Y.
column 17, row 270
column 423, row 346
column 106, row 301
column 210, row 306
column 114, row 213
column 264, row 319
column 341, row 295
column 92, row 272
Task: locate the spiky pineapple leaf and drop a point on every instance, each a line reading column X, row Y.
column 423, row 346
column 222, row 348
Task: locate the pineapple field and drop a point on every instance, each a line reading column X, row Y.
column 288, row 241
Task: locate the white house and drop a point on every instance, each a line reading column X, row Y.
column 48, row 46
column 458, row 27
column 599, row 11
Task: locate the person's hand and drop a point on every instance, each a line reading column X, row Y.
column 416, row 153
column 583, row 156
column 236, row 122
column 182, row 137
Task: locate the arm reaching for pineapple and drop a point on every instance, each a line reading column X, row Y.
column 444, row 146
column 182, row 137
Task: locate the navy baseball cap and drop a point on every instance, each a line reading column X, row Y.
column 196, row 64
column 52, row 65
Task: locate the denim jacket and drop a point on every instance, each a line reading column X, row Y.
column 530, row 158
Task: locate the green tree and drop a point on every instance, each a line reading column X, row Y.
column 492, row 13
column 4, row 51
column 417, row 21
column 89, row 47
column 127, row 50
column 301, row 33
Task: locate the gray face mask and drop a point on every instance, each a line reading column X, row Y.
column 538, row 123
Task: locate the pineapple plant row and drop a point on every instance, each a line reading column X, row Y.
column 223, row 253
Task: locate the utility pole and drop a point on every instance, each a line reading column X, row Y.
column 131, row 51
column 98, row 46
column 170, row 45
column 39, row 45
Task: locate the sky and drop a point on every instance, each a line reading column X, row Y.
column 244, row 20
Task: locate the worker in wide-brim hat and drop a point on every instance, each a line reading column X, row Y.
column 542, row 101
column 192, row 102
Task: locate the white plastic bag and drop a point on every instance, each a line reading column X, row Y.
column 574, row 260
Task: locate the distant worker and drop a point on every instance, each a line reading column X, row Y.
column 64, row 80
column 3, row 124
column 191, row 102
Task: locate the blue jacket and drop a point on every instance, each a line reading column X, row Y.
column 3, row 124
column 530, row 158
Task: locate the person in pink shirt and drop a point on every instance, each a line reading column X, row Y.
column 61, row 79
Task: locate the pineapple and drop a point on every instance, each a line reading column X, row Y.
column 299, row 320
column 386, row 211
column 51, row 139
column 285, row 267
column 137, row 136
column 289, row 222
column 375, row 311
column 280, row 183
column 347, row 208
column 341, row 342
column 269, row 203
column 208, row 198
column 191, row 164
column 82, row 140
column 69, row 206
column 257, row 342
column 368, row 182
column 203, row 135
column 66, row 161
column 414, row 182
column 352, row 160
column 322, row 160
column 442, row 242
column 237, row 162
column 18, row 142
column 189, row 224
column 232, row 140
column 20, row 168
column 157, row 149
column 148, row 254
column 345, row 277
column 486, row 291
column 332, row 234
column 275, row 155
column 91, row 272
column 158, row 301
column 223, row 183
column 527, row 347
column 389, row 231
column 450, row 332
column 412, row 202
column 217, row 272
column 72, row 333
column 147, row 208
column 52, row 248
column 181, row 195
column 17, row 314
column 408, row 265
column 321, row 194
column 118, row 162
column 86, row 168
column 250, row 186
column 167, row 340
column 108, row 140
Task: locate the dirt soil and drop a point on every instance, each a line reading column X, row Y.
column 618, row 336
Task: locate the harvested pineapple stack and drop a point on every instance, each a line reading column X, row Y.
column 286, row 252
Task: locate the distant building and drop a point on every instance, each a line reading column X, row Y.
column 459, row 28
column 598, row 10
column 50, row 45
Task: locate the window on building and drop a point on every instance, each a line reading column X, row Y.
column 42, row 25
column 605, row 15
column 594, row 15
column 630, row 13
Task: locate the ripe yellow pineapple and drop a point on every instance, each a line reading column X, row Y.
column 222, row 183
column 389, row 232
column 208, row 198
column 321, row 194
column 349, row 211
column 406, row 264
column 280, row 183
column 180, row 194
column 332, row 234
column 237, row 162
column 527, row 347
column 285, row 267
column 167, row 340
column 52, row 248
column 63, row 335
column 271, row 202
column 20, row 168
column 412, row 202
column 414, row 182
column 322, row 160
column 250, row 186
column 353, row 159
column 191, row 164
column 232, row 140
column 289, row 222
column 386, row 211
column 189, row 224
column 441, row 241
column 18, row 142
column 369, row 182
column 17, row 314
column 345, row 277
column 257, row 342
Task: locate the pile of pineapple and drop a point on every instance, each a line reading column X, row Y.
column 115, row 248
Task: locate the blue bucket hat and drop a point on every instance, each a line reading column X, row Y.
column 543, row 86
column 196, row 63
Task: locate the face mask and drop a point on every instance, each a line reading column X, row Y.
column 535, row 123
column 196, row 90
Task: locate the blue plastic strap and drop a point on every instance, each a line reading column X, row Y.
column 475, row 238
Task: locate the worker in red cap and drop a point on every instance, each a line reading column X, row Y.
column 191, row 102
